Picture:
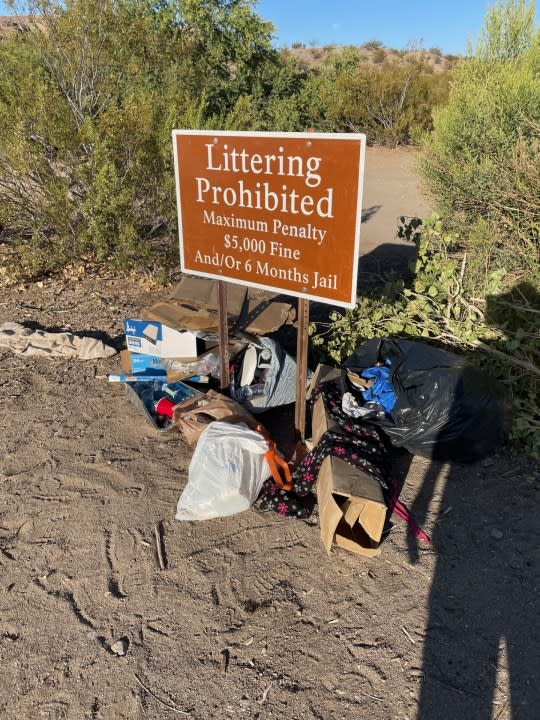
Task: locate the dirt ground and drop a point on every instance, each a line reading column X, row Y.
column 249, row 618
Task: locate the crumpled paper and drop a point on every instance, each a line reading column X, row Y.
column 27, row 341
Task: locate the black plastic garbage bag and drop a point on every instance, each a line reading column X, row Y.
column 445, row 409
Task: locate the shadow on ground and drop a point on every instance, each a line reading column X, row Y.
column 483, row 606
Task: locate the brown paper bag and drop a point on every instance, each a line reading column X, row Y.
column 193, row 415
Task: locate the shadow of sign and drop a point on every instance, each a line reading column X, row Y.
column 385, row 260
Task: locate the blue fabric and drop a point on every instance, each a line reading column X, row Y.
column 382, row 391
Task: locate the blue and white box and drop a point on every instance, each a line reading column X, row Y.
column 147, row 337
column 146, row 363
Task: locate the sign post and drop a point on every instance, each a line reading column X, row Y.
column 223, row 329
column 301, row 368
column 277, row 211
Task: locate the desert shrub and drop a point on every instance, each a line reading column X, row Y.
column 89, row 95
column 372, row 45
column 475, row 287
column 88, row 99
column 391, row 102
column 481, row 163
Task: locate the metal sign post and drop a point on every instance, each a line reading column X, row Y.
column 223, row 336
column 301, row 368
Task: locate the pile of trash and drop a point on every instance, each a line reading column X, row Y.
column 388, row 393
column 172, row 354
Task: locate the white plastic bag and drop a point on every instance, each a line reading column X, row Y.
column 226, row 472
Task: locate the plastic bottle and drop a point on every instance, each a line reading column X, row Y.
column 175, row 391
column 247, row 391
column 207, row 365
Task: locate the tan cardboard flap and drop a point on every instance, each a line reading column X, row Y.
column 179, row 316
column 125, row 362
column 264, row 316
column 371, row 518
column 202, row 293
column 323, row 373
column 350, row 511
column 368, row 514
column 329, row 511
column 173, row 376
column 365, row 502
column 320, row 422
column 356, row 545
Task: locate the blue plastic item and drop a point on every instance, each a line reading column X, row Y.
column 382, row 391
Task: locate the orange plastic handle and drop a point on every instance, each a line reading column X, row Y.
column 276, row 462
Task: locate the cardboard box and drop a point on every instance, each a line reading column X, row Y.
column 148, row 337
column 201, row 294
column 352, row 511
column 144, row 363
column 323, row 373
column 180, row 316
column 192, row 305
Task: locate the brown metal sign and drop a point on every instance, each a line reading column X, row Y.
column 278, row 211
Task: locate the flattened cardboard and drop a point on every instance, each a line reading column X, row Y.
column 180, row 316
column 201, row 294
column 261, row 317
column 192, row 305
column 323, row 373
column 352, row 510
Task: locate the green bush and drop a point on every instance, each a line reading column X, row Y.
column 481, row 162
column 475, row 282
column 88, row 99
column 391, row 102
column 89, row 96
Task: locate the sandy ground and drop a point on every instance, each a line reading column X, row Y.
column 249, row 618
column 391, row 191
